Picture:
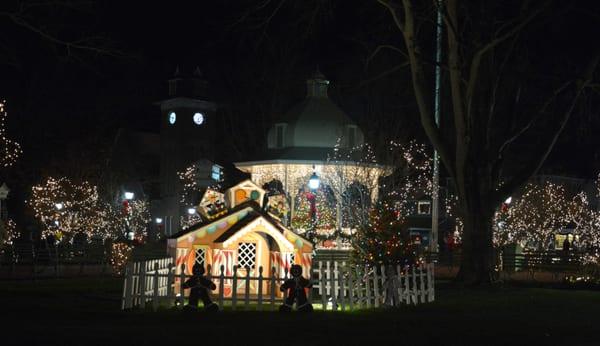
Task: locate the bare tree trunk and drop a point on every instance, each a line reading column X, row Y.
column 477, row 258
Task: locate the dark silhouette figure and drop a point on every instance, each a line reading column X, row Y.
column 295, row 291
column 200, row 285
column 566, row 245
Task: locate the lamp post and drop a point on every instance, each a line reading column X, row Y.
column 313, row 184
column 128, row 196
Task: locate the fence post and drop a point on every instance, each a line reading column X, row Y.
column 247, row 288
column 368, row 286
column 260, row 284
column 342, row 289
column 323, row 286
column 171, row 283
column 414, row 284
column 399, row 283
column 376, row 287
column 221, row 285
column 359, row 288
column 431, row 281
column 331, row 269
column 181, row 281
column 155, row 288
column 127, row 287
column 273, row 286
column 350, row 288
column 407, row 286
column 234, row 288
column 143, row 287
column 422, row 278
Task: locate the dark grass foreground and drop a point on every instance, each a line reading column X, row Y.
column 86, row 312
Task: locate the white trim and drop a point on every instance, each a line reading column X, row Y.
column 269, row 229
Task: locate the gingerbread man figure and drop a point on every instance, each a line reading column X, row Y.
column 295, row 291
column 200, row 285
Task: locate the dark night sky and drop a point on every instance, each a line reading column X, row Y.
column 59, row 105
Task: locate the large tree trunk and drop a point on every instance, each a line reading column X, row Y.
column 477, row 259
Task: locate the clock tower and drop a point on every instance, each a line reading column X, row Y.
column 186, row 136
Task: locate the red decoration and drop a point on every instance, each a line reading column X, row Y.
column 125, row 207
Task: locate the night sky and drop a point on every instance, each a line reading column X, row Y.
column 64, row 106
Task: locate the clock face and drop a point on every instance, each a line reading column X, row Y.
column 198, row 118
column 172, row 118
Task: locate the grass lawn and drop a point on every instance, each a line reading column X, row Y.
column 86, row 312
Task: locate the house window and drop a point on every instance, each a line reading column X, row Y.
column 200, row 257
column 246, row 255
column 424, row 207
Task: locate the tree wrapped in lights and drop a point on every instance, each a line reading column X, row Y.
column 384, row 239
column 534, row 218
column 119, row 256
column 192, row 186
column 9, row 149
column 315, row 214
column 136, row 219
column 65, row 208
column 8, row 232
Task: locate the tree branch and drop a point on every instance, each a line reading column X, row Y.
column 529, row 170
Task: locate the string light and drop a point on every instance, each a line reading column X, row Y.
column 10, row 227
column 82, row 211
column 119, row 255
column 10, row 150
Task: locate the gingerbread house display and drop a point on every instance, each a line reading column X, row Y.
column 244, row 238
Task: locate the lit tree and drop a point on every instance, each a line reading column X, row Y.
column 8, row 233
column 137, row 218
column 318, row 223
column 9, row 149
column 533, row 218
column 190, row 180
column 383, row 239
column 65, row 208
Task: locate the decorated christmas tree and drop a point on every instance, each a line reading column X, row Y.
column 315, row 215
column 384, row 239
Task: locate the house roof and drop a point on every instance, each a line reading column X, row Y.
column 253, row 215
column 208, row 222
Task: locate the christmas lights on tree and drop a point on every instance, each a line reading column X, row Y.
column 384, row 239
column 119, row 255
column 9, row 149
column 535, row 217
column 65, row 209
column 8, row 232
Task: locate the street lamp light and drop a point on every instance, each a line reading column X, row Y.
column 191, row 211
column 508, row 200
column 314, row 181
column 158, row 220
column 59, row 206
column 129, row 195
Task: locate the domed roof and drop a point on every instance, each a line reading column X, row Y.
column 314, row 125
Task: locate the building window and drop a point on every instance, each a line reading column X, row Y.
column 216, row 173
column 200, row 257
column 246, row 255
column 424, row 207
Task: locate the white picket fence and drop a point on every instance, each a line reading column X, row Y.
column 336, row 286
